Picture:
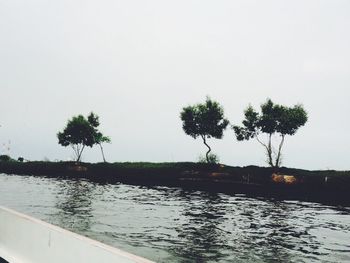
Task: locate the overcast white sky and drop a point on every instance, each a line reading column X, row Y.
column 136, row 63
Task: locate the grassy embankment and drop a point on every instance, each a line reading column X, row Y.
column 328, row 185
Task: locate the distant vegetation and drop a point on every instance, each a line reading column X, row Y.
column 205, row 120
column 5, row 158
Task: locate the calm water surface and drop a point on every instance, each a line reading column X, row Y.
column 175, row 225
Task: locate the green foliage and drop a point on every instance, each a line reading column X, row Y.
column 5, row 158
column 250, row 124
column 94, row 120
column 273, row 119
column 204, row 120
column 212, row 159
column 281, row 119
column 100, row 138
column 77, row 131
column 81, row 132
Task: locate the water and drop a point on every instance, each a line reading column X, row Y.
column 175, row 225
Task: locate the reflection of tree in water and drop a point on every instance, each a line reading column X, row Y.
column 278, row 229
column 74, row 204
column 201, row 238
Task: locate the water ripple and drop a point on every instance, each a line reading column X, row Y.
column 175, row 225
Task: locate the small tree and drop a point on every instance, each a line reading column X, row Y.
column 273, row 119
column 204, row 120
column 81, row 132
column 99, row 137
column 78, row 134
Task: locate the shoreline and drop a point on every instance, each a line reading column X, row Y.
column 285, row 183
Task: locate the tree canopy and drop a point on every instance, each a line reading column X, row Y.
column 273, row 119
column 204, row 120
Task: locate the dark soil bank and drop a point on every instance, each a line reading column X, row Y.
column 326, row 186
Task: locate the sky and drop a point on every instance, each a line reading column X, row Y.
column 137, row 63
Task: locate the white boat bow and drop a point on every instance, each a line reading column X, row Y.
column 24, row 239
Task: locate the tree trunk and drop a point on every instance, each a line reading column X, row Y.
column 209, row 149
column 76, row 151
column 103, row 155
column 278, row 159
column 81, row 151
column 268, row 148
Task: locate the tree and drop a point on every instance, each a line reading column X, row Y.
column 81, row 132
column 99, row 137
column 204, row 120
column 78, row 134
column 274, row 119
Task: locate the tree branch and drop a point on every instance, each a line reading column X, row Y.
column 268, row 149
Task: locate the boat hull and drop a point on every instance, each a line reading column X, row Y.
column 24, row 239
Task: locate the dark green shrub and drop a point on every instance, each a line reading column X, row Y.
column 5, row 158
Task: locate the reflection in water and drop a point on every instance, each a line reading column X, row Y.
column 74, row 205
column 200, row 231
column 174, row 225
column 269, row 228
